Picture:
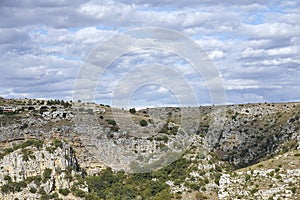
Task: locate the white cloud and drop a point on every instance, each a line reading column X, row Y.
column 272, row 30
column 254, row 44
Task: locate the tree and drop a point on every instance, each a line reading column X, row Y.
column 132, row 110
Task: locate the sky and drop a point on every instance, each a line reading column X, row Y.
column 254, row 46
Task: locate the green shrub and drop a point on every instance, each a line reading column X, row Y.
column 54, row 196
column 13, row 187
column 27, row 154
column 247, row 177
column 217, row 178
column 64, row 192
column 164, row 138
column 42, row 191
column 57, row 143
column 7, row 178
column 165, row 195
column 254, row 190
column 111, row 122
column 206, row 181
column 194, row 186
column 33, row 190
column 36, row 179
column 177, row 195
column 36, row 143
column 50, row 149
column 151, row 185
column 7, row 151
column 143, row 122
column 278, row 176
column 47, row 174
column 79, row 193
column 132, row 110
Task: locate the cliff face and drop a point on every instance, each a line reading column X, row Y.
column 48, row 154
column 255, row 132
column 34, row 168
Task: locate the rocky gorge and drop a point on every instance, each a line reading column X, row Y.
column 59, row 150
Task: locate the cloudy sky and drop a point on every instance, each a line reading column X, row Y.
column 254, row 46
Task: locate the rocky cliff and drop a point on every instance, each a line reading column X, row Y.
column 215, row 152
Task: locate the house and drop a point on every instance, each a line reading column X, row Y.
column 8, row 109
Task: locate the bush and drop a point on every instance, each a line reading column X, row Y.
column 54, row 196
column 79, row 193
column 143, row 122
column 206, row 181
column 7, row 150
column 217, row 178
column 27, row 154
column 36, row 179
column 13, row 187
column 42, row 191
column 111, row 122
column 163, row 138
column 254, row 190
column 47, row 173
column 165, row 195
column 36, row 143
column 57, row 143
column 64, row 192
column 7, row 178
column 132, row 110
column 33, row 190
column 194, row 186
column 247, row 177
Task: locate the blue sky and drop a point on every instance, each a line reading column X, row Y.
column 254, row 45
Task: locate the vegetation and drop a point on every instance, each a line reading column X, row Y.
column 47, row 174
column 26, row 153
column 57, row 143
column 132, row 110
column 13, row 187
column 108, row 185
column 64, row 191
column 169, row 129
column 111, row 122
column 198, row 172
column 33, row 190
column 143, row 122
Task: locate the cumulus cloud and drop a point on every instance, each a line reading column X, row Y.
column 255, row 46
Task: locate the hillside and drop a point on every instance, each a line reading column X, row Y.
column 64, row 150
